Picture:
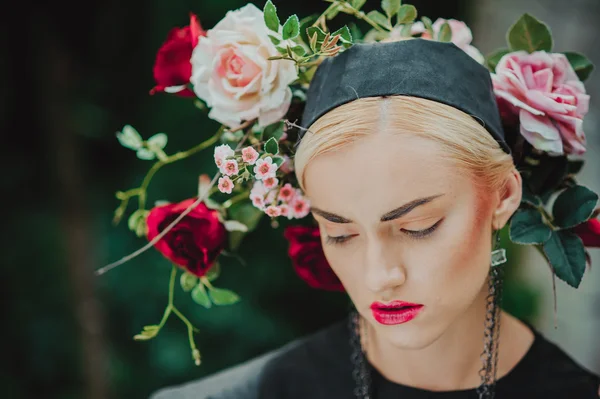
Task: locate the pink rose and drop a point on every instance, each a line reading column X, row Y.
column 461, row 35
column 231, row 71
column 548, row 97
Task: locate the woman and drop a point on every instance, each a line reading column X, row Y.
column 410, row 176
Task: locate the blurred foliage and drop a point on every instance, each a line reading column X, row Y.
column 107, row 49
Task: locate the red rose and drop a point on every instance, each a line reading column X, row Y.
column 589, row 232
column 172, row 66
column 309, row 259
column 195, row 242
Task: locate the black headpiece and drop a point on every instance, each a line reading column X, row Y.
column 420, row 68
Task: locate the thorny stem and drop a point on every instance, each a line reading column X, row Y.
column 160, row 235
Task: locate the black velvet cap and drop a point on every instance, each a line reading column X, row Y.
column 420, row 68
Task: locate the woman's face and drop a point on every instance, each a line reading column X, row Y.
column 400, row 224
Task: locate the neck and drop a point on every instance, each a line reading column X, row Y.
column 451, row 362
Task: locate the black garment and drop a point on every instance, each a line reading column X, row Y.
column 319, row 368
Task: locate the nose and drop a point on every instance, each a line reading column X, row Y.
column 384, row 268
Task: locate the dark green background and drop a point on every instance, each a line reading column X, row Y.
column 74, row 74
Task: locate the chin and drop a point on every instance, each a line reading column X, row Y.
column 407, row 337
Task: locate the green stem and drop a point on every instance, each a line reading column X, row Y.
column 206, row 282
column 235, row 200
column 173, row 158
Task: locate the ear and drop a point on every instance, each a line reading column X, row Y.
column 509, row 200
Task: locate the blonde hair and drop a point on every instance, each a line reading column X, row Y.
column 463, row 139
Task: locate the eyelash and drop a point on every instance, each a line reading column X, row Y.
column 417, row 235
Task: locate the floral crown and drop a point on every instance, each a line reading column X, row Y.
column 251, row 73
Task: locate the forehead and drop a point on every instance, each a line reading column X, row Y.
column 379, row 173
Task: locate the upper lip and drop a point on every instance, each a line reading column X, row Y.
column 392, row 305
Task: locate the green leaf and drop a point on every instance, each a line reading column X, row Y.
column 200, row 296
column 305, row 23
column 274, row 130
column 379, row 19
column 406, row 30
column 320, row 34
column 222, row 296
column 274, row 40
column 407, row 13
column 528, row 197
column 271, row 146
column 299, row 50
column 147, row 333
column 291, row 28
column 529, row 34
column 355, row 32
column 574, row 206
column 278, row 160
column 428, row 25
column 188, row 281
column 493, row 59
column 137, row 222
column 391, row 7
column 213, row 272
column 566, row 254
column 158, row 140
column 445, row 33
column 581, row 64
column 345, row 35
column 130, row 138
column 145, row 154
column 247, row 214
column 270, row 15
column 527, row 227
column 357, row 4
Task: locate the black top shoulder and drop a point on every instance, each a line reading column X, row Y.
column 319, row 367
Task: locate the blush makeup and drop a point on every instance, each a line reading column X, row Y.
column 395, row 312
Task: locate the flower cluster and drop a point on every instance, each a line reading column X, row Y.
column 268, row 194
column 250, row 72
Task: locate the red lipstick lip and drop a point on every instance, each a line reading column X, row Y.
column 395, row 312
column 394, row 305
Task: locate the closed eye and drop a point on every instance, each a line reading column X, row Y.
column 416, row 234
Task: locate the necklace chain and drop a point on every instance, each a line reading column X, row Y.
column 489, row 356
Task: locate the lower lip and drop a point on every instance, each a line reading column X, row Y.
column 393, row 316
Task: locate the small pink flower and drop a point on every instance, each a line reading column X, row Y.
column 258, row 189
column 225, row 185
column 222, row 152
column 300, row 207
column 258, row 201
column 270, row 182
column 550, row 101
column 286, row 193
column 273, row 211
column 271, row 197
column 265, row 168
column 230, row 167
column 249, row 155
column 285, row 210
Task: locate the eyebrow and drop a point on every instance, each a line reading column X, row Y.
column 392, row 215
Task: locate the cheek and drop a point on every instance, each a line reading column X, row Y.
column 460, row 260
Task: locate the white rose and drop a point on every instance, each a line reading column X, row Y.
column 232, row 74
